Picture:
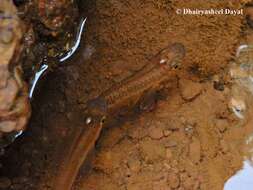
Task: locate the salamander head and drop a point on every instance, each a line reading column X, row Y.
column 93, row 120
column 96, row 111
column 172, row 55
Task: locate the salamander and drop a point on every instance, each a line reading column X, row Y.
column 126, row 94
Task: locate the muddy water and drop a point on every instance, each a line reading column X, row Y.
column 193, row 139
column 193, row 134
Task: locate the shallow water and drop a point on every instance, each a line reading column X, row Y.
column 62, row 58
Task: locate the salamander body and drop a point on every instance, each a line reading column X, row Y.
column 126, row 94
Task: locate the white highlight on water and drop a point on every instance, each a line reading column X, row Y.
column 36, row 79
column 77, row 43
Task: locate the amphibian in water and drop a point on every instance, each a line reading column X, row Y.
column 124, row 95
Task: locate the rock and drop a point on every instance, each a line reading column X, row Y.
column 14, row 101
column 221, row 124
column 189, row 89
column 173, row 180
column 195, row 150
column 155, row 133
column 5, row 183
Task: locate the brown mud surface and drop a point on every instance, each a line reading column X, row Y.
column 191, row 140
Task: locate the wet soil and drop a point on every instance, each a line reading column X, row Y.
column 191, row 140
column 185, row 144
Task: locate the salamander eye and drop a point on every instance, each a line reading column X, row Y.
column 163, row 61
column 88, row 120
column 103, row 120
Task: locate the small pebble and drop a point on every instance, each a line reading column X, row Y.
column 155, row 133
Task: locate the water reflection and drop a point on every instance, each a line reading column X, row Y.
column 9, row 138
column 61, row 58
column 37, row 76
column 73, row 49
